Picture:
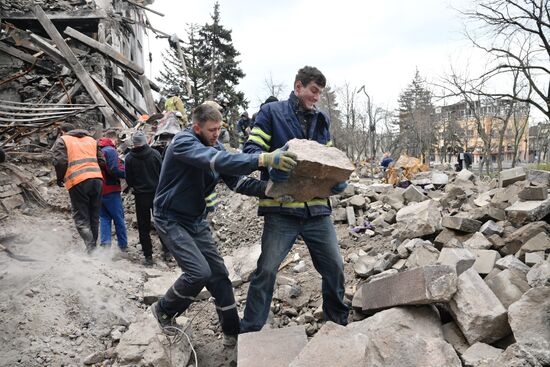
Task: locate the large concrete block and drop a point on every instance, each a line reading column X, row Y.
column 412, row 194
column 454, row 336
column 423, row 254
column 537, row 177
column 477, row 241
column 319, row 169
column 271, row 348
column 429, row 284
column 540, row 242
column 521, row 235
column 333, row 345
column 530, row 322
column 509, row 176
column 513, row 263
column 461, row 224
column 480, row 353
column 508, row 286
column 404, row 337
column 534, row 193
column 419, row 219
column 528, row 211
column 460, row 259
column 477, row 311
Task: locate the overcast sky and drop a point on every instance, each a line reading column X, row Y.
column 378, row 44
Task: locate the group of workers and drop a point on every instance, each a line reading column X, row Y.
column 193, row 164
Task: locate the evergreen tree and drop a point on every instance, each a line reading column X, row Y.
column 416, row 119
column 328, row 104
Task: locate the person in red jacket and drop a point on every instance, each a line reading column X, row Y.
column 111, row 201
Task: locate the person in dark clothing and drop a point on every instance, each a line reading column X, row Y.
column 243, row 128
column 143, row 165
column 78, row 161
column 193, row 165
column 386, row 161
column 2, row 155
column 112, row 209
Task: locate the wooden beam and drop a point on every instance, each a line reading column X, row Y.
column 128, row 100
column 144, row 8
column 12, row 51
column 148, row 95
column 70, row 93
column 104, row 49
column 77, row 67
column 49, row 49
column 114, row 98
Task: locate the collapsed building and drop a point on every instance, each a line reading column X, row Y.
column 74, row 60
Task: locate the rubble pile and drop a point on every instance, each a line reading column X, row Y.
column 461, row 269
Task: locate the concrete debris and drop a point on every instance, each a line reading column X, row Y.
column 480, row 353
column 453, row 336
column 508, row 285
column 477, row 242
column 522, row 212
column 271, row 348
column 419, row 219
column 539, row 275
column 509, row 176
column 516, row 355
column 485, row 261
column 459, row 259
column 319, row 169
column 461, row 224
column 533, row 193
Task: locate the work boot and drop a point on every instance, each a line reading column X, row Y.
column 90, row 249
column 166, row 323
column 148, row 261
column 229, row 340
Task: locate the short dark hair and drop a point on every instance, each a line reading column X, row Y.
column 309, row 74
column 206, row 112
column 66, row 127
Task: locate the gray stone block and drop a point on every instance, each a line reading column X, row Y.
column 528, row 211
column 429, row 284
column 480, row 353
column 490, row 227
column 477, row 311
column 454, row 336
column 485, row 260
column 534, row 193
column 509, row 176
column 508, row 286
column 412, row 194
column 419, row 219
column 271, row 348
column 459, row 259
column 533, row 258
column 461, row 224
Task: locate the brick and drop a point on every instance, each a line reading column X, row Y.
column 426, row 285
column 271, row 348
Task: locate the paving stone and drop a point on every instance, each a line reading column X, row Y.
column 454, row 336
column 412, row 194
column 333, row 345
column 485, row 260
column 426, row 285
column 461, row 224
column 528, row 211
column 530, row 322
column 419, row 219
column 404, row 337
column 534, row 193
column 533, row 258
column 480, row 353
column 477, row 311
column 459, row 259
column 477, row 242
column 271, row 348
column 509, row 176
column 508, row 286
column 319, row 169
column 490, row 227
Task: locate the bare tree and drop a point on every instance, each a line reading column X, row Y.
column 515, row 33
column 273, row 88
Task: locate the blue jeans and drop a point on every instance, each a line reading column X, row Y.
column 198, row 257
column 280, row 233
column 112, row 211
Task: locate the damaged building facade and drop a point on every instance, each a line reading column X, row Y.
column 73, row 60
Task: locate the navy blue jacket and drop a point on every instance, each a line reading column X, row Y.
column 276, row 124
column 189, row 174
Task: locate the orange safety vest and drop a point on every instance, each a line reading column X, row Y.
column 82, row 160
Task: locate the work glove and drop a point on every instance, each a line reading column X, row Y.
column 284, row 198
column 276, row 175
column 280, row 159
column 339, row 188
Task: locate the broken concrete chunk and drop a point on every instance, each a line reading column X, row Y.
column 509, row 176
column 477, row 311
column 459, row 259
column 516, row 355
column 429, row 284
column 490, row 227
column 511, row 262
column 508, row 286
column 454, row 336
column 528, row 211
column 480, row 353
column 533, row 258
column 539, row 275
column 350, row 214
column 357, row 201
column 461, row 224
column 271, row 348
column 530, row 322
column 319, row 169
column 422, row 255
column 447, row 235
column 477, row 241
column 540, row 242
column 412, row 194
column 520, row 236
column 364, row 266
column 419, row 219
column 485, row 260
column 534, row 193
column 540, row 178
column 465, row 175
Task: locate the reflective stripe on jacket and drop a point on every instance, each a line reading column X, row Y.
column 82, row 160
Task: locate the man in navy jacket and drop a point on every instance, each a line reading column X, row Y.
column 193, row 164
column 275, row 124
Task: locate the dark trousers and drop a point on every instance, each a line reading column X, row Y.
column 144, row 207
column 86, row 204
column 202, row 266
